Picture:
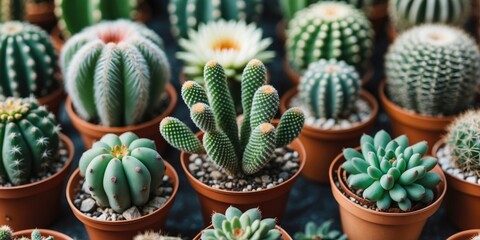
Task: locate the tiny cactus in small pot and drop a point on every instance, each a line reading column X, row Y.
column 12, row 10
column 323, row 232
column 6, row 233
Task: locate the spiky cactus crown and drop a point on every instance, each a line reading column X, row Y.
column 7, row 234
column 290, row 7
column 330, row 88
column 213, row 112
column 327, row 30
column 236, row 224
column 323, row 232
column 121, row 171
column 115, row 72
column 433, row 70
column 12, row 10
column 390, row 171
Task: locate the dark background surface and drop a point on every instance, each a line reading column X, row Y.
column 308, row 201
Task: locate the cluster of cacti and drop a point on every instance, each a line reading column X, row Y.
column 151, row 235
column 115, row 72
column 29, row 137
column 212, row 110
column 323, row 232
column 390, row 172
column 6, row 233
column 28, row 61
column 327, row 30
column 121, row 171
column 408, row 13
column 290, row 7
column 237, row 225
column 12, row 10
column 329, row 88
column 433, row 70
column 188, row 15
column 463, row 140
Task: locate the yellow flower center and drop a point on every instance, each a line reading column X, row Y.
column 119, row 151
column 225, row 44
column 13, row 109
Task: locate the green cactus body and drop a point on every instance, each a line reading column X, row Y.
column 390, row 172
column 323, row 232
column 330, row 88
column 329, row 30
column 29, row 139
column 151, row 235
column 433, row 70
column 290, row 7
column 115, row 72
column 12, row 10
column 6, row 233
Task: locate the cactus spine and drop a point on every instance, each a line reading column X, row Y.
column 12, row 10
column 323, row 232
column 290, row 7
column 6, row 233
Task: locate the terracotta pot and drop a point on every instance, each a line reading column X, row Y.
column 465, row 235
column 41, row 14
column 127, row 229
column 35, row 204
column 462, row 199
column 281, row 30
column 91, row 132
column 57, row 39
column 378, row 16
column 322, row 146
column 285, row 235
column 53, row 100
column 45, row 232
column 272, row 202
column 362, row 223
column 417, row 127
column 392, row 32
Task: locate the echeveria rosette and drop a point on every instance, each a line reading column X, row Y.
column 390, row 172
column 322, row 232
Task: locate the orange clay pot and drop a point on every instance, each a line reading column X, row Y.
column 35, row 204
column 322, row 146
column 53, row 100
column 285, row 235
column 465, row 235
column 126, row 229
column 41, row 14
column 45, row 232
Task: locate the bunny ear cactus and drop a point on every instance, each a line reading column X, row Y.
column 290, row 7
column 12, row 10
column 322, row 232
column 121, row 171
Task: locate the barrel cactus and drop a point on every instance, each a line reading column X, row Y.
column 330, row 88
column 6, row 233
column 213, row 112
column 12, row 10
column 290, row 7
column 115, row 72
column 329, row 30
column 122, row 171
column 323, row 232
column 433, row 70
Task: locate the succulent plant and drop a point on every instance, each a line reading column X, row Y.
column 12, row 10
column 330, row 88
column 29, row 61
column 323, row 232
column 188, row 15
column 115, row 72
column 121, row 171
column 408, row 13
column 235, row 225
column 6, row 233
column 327, row 30
column 433, row 70
column 213, row 112
column 290, row 7
column 151, row 235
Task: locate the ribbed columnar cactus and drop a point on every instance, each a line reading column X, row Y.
column 213, row 112
column 390, row 172
column 29, row 137
column 327, row 30
column 6, row 233
column 12, row 10
column 463, row 140
column 408, row 13
column 330, row 88
column 121, row 171
column 290, row 7
column 322, row 232
column 28, row 61
column 433, row 70
column 115, row 72
column 237, row 225
column 186, row 15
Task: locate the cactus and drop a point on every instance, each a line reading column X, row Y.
column 323, row 232
column 390, row 172
column 12, row 10
column 115, row 72
column 151, row 235
column 327, row 30
column 463, row 140
column 236, row 224
column 408, row 13
column 213, row 112
column 433, row 70
column 28, row 60
column 6, row 233
column 330, row 88
column 121, row 171
column 290, row 7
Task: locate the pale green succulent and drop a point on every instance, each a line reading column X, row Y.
column 322, row 232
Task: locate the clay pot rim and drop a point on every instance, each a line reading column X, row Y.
column 466, row 233
column 43, row 232
column 169, row 89
column 56, row 94
column 176, row 183
column 282, row 231
column 70, row 148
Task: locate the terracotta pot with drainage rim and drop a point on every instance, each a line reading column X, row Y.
column 45, row 233
column 285, row 235
column 465, row 235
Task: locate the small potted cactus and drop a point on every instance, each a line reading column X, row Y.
column 6, row 233
column 472, row 234
column 459, row 156
column 251, row 169
column 323, row 232
column 36, row 159
column 388, row 187
column 432, row 73
column 12, row 10
column 337, row 113
column 117, row 79
column 122, row 187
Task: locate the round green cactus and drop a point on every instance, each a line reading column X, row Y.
column 330, row 88
column 290, row 7
column 12, row 10
column 30, row 138
column 115, row 72
column 329, row 30
column 323, row 232
column 390, row 172
column 28, row 61
column 121, row 171
column 433, row 70
column 6, row 233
